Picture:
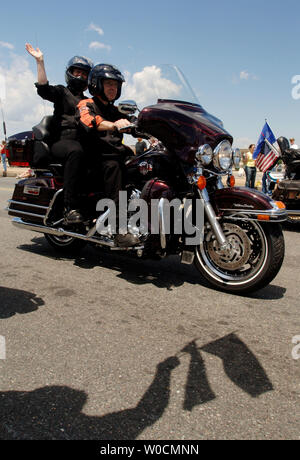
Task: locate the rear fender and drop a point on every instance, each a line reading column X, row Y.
column 241, row 202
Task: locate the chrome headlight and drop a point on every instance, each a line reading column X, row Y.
column 223, row 156
column 236, row 157
column 204, row 154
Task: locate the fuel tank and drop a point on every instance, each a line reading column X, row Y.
column 155, row 189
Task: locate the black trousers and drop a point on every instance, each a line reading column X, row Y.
column 70, row 153
column 113, row 179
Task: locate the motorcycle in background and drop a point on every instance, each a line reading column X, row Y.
column 287, row 188
column 242, row 246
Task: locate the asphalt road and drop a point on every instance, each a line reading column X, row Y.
column 103, row 346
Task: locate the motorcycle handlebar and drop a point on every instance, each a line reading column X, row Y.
column 126, row 128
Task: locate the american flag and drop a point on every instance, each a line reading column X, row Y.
column 265, row 154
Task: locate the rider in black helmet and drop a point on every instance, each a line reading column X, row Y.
column 65, row 146
column 101, row 121
column 76, row 80
column 103, row 72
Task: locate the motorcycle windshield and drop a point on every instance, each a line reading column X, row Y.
column 173, row 113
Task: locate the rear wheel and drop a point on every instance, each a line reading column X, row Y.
column 65, row 244
column 255, row 256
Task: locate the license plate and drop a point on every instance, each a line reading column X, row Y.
column 31, row 190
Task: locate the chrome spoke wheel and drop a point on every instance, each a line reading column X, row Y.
column 244, row 258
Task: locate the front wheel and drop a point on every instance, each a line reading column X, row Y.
column 255, row 256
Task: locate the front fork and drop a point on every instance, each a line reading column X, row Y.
column 213, row 220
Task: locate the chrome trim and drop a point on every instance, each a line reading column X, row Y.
column 293, row 212
column 216, row 155
column 202, row 156
column 161, row 217
column 257, row 211
column 24, row 213
column 279, row 215
column 270, row 212
column 213, row 220
column 51, row 205
column 61, row 232
column 220, row 184
column 22, row 203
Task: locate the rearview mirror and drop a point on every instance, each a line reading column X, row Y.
column 127, row 107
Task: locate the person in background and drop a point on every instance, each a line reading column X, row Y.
column 153, row 142
column 4, row 155
column 140, row 146
column 250, row 168
column 292, row 144
column 65, row 146
column 264, row 183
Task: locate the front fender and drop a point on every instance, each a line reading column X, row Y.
column 239, row 202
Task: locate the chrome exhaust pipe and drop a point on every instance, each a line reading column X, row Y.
column 17, row 222
column 58, row 232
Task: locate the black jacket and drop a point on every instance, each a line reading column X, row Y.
column 65, row 102
column 90, row 113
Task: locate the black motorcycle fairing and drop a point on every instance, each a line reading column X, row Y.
column 182, row 127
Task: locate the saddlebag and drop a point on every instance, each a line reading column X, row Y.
column 31, row 199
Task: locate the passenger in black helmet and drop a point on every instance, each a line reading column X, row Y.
column 101, row 121
column 65, row 145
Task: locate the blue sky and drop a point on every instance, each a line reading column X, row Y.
column 239, row 56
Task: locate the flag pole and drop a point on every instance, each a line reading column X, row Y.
column 272, row 147
column 3, row 120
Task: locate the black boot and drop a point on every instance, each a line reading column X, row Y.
column 73, row 216
column 127, row 240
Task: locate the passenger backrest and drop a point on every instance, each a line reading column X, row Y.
column 42, row 130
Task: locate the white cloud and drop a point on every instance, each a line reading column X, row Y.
column 95, row 28
column 147, row 86
column 7, row 45
column 22, row 107
column 245, row 75
column 98, row 45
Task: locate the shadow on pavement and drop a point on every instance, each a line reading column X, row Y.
column 55, row 412
column 13, row 301
column 167, row 273
column 240, row 365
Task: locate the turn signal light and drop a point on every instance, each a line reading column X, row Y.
column 263, row 217
column 231, row 181
column 201, row 183
column 280, row 204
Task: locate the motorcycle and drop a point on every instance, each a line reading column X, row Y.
column 238, row 245
column 287, row 188
column 274, row 176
